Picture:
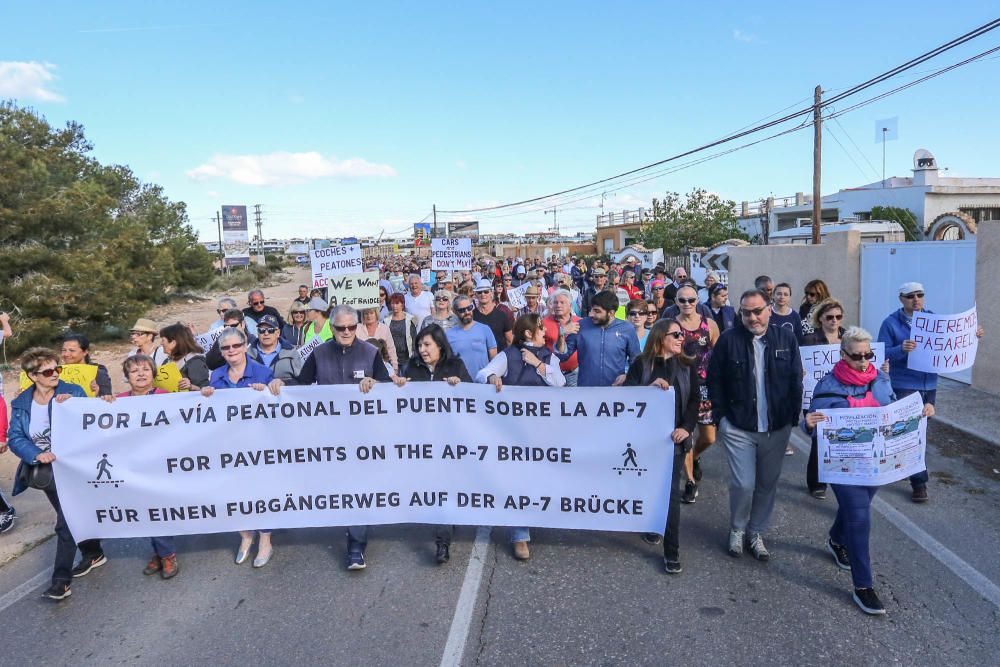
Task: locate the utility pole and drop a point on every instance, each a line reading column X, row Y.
column 817, row 164
column 222, row 253
column 555, row 223
column 260, row 239
column 434, row 235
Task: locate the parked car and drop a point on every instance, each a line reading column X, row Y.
column 301, row 260
column 845, row 434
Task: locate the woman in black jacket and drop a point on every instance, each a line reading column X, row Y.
column 434, row 360
column 180, row 348
column 663, row 364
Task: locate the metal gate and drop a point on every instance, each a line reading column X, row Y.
column 947, row 270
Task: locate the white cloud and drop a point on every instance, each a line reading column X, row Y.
column 283, row 168
column 28, row 81
column 745, row 37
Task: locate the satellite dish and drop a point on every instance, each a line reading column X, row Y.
column 923, row 159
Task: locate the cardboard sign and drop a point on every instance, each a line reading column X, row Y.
column 335, row 261
column 451, row 254
column 82, row 375
column 945, row 343
column 168, row 377
column 357, row 289
column 206, row 340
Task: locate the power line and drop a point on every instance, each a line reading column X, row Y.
column 983, row 29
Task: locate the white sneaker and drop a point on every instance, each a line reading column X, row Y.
column 757, row 547
column 736, row 543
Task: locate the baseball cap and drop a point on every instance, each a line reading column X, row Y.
column 909, row 288
column 317, row 303
column 268, row 321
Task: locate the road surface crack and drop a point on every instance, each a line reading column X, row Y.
column 486, row 606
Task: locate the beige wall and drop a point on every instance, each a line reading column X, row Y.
column 986, row 372
column 533, row 250
column 837, row 261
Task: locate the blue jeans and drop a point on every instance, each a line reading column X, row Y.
column 357, row 539
column 852, row 528
column 520, row 535
column 163, row 546
column 928, row 396
column 572, row 377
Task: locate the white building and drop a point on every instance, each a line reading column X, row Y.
column 945, row 208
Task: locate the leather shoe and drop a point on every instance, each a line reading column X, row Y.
column 262, row 558
column 521, row 550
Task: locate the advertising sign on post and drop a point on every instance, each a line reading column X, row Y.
column 451, row 254
column 335, row 261
column 464, row 230
column 945, row 343
column 235, row 236
column 421, row 234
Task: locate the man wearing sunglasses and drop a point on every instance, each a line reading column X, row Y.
column 473, row 342
column 256, row 308
column 224, row 305
column 344, row 359
column 755, row 385
column 895, row 333
column 272, row 351
column 230, row 318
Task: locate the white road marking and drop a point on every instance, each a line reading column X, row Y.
column 24, row 589
column 975, row 579
column 458, row 635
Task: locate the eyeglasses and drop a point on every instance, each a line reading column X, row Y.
column 266, row 330
column 914, row 295
column 661, row 288
column 222, row 311
column 869, row 355
column 346, row 327
column 687, row 301
column 467, row 309
column 833, row 318
column 49, row 372
column 637, row 313
column 256, row 303
column 441, row 298
column 234, row 346
column 812, row 295
column 232, row 325
column 139, row 333
column 676, row 335
column 756, row 312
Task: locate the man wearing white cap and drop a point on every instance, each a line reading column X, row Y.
column 895, row 333
column 497, row 317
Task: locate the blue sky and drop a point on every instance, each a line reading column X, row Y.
column 352, row 118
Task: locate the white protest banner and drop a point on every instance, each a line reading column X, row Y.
column 355, row 289
column 335, row 261
column 451, row 254
column 308, row 348
column 515, row 296
column 206, row 340
column 945, row 343
column 818, row 360
column 872, row 446
column 175, row 464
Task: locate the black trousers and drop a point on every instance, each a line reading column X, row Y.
column 672, row 532
column 812, row 468
column 62, row 572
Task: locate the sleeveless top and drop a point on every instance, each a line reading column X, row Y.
column 520, row 374
column 697, row 344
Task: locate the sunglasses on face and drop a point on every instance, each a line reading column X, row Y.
column 467, row 309
column 812, row 295
column 266, row 330
column 859, row 356
column 232, row 325
column 234, row 346
column 221, row 311
column 658, row 288
column 49, row 372
column 833, row 318
column 676, row 335
column 440, row 298
column 637, row 313
column 346, row 327
column 687, row 301
column 256, row 303
column 914, row 295
column 755, row 312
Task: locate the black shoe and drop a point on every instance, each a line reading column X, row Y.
column 919, row 494
column 672, row 566
column 839, row 554
column 652, row 538
column 356, row 560
column 442, row 556
column 690, row 493
column 7, row 520
column 868, row 601
column 57, row 592
column 88, row 564
column 818, row 494
column 697, row 470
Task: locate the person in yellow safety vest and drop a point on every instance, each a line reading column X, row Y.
column 319, row 324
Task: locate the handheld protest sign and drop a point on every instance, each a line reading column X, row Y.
column 168, row 377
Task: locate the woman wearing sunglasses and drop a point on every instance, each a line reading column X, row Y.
column 30, row 439
column 700, row 334
column 854, row 383
column 815, row 293
column 240, row 371
column 637, row 314
column 827, row 324
column 663, row 364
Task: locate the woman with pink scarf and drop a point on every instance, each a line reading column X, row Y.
column 853, row 383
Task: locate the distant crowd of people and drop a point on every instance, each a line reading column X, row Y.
column 735, row 368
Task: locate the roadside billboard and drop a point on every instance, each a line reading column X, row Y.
column 235, row 235
column 464, row 230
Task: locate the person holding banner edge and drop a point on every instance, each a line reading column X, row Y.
column 663, row 364
column 343, row 360
column 240, row 371
column 854, row 383
column 895, row 333
column 29, row 438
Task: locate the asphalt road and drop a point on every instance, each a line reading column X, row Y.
column 584, row 598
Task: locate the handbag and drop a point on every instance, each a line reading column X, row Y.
column 38, row 476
